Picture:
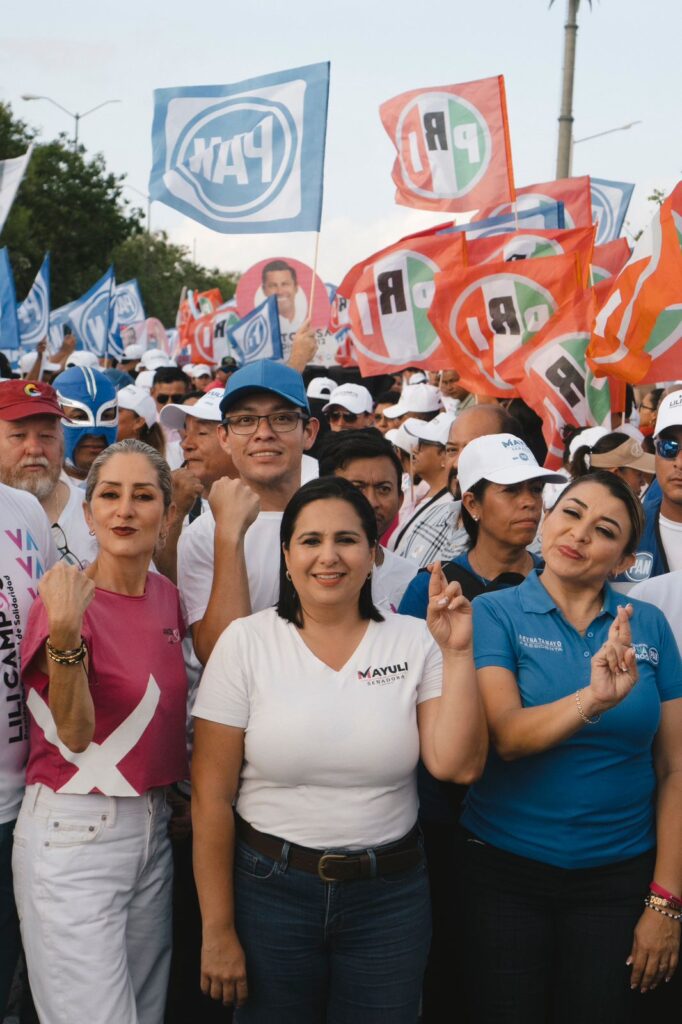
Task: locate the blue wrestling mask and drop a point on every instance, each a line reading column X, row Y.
column 92, row 398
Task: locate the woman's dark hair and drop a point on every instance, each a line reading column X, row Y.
column 579, row 465
column 618, row 489
column 154, row 437
column 325, row 489
column 468, row 521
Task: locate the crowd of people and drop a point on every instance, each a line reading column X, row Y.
column 325, row 700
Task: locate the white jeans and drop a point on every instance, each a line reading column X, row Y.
column 92, row 881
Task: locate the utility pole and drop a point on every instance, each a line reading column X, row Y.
column 563, row 159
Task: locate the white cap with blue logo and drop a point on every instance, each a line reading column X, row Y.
column 501, row 459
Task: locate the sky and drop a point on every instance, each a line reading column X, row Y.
column 81, row 54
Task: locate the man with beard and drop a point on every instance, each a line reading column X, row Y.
column 31, row 459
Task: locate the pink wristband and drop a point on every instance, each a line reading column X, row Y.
column 658, row 890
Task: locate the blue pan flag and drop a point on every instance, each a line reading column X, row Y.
column 91, row 314
column 542, row 217
column 257, row 336
column 34, row 311
column 246, row 158
column 610, row 201
column 9, row 322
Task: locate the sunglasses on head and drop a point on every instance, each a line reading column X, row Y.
column 175, row 399
column 667, row 447
column 338, row 414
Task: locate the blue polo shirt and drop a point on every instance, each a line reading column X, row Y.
column 590, row 800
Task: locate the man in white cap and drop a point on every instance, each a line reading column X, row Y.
column 660, row 549
column 199, row 373
column 132, row 354
column 423, row 535
column 82, row 358
column 350, row 407
column 419, row 401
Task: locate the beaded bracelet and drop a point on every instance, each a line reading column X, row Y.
column 660, row 901
column 660, row 910
column 579, row 705
column 69, row 657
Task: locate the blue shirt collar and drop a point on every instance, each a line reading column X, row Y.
column 534, row 598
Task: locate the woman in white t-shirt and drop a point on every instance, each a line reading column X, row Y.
column 313, row 716
column 106, row 689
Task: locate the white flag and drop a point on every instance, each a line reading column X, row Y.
column 11, row 173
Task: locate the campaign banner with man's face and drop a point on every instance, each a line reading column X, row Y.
column 290, row 281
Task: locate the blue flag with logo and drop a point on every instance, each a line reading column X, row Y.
column 539, row 217
column 126, row 308
column 610, row 201
column 34, row 311
column 246, row 158
column 257, row 336
column 9, row 322
column 91, row 314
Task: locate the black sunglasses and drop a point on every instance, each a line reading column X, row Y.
column 175, row 399
column 337, row 415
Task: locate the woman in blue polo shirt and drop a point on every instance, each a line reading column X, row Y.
column 583, row 703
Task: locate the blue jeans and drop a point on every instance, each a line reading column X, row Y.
column 9, row 923
column 340, row 952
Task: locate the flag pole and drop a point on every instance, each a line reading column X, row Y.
column 312, row 285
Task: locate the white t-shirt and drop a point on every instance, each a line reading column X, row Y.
column 671, row 536
column 196, row 557
column 329, row 757
column 174, row 453
column 70, row 533
column 26, row 552
column 390, row 580
column 666, row 593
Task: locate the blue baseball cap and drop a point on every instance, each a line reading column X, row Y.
column 265, row 375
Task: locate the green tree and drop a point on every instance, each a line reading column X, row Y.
column 67, row 204
column 162, row 269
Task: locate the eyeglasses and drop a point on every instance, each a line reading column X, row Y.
column 340, row 414
column 279, row 422
column 667, row 448
column 175, row 399
column 62, row 545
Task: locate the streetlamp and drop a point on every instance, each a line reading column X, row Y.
column 76, row 117
column 598, row 135
column 145, row 195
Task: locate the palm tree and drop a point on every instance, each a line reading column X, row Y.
column 563, row 159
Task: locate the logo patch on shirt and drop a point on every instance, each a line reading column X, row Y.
column 383, row 676
column 641, row 570
column 645, row 653
column 538, row 643
column 173, row 635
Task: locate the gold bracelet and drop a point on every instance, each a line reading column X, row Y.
column 659, row 910
column 579, row 705
column 70, row 657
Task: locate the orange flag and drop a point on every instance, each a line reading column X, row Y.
column 552, row 377
column 609, row 259
column 453, row 145
column 574, row 193
column 389, row 298
column 520, row 245
column 638, row 329
column 489, row 311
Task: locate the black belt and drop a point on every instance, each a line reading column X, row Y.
column 402, row 855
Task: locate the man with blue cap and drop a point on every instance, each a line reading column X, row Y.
column 90, row 420
column 228, row 562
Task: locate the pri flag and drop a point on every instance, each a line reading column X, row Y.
column 34, row 311
column 552, row 377
column 11, row 173
column 9, row 322
column 522, row 245
column 390, row 295
column 257, row 335
column 453, row 145
column 609, row 259
column 610, row 201
column 574, row 193
column 90, row 315
column 490, row 311
column 244, row 158
column 542, row 218
column 639, row 326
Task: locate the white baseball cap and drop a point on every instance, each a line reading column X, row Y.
column 400, row 438
column 197, row 370
column 153, row 359
column 82, row 358
column 435, row 431
column 418, row 378
column 415, row 398
column 145, row 379
column 140, row 401
column 206, row 408
column 132, row 352
column 353, row 397
column 321, row 387
column 586, row 438
column 501, row 459
column 27, row 362
column 669, row 412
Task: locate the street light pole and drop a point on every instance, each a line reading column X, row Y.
column 76, row 117
column 563, row 159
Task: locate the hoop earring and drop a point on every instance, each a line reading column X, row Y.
column 369, row 575
column 288, row 575
column 91, row 532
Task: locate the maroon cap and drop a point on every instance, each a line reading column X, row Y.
column 20, row 398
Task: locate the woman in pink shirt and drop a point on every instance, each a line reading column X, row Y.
column 106, row 689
